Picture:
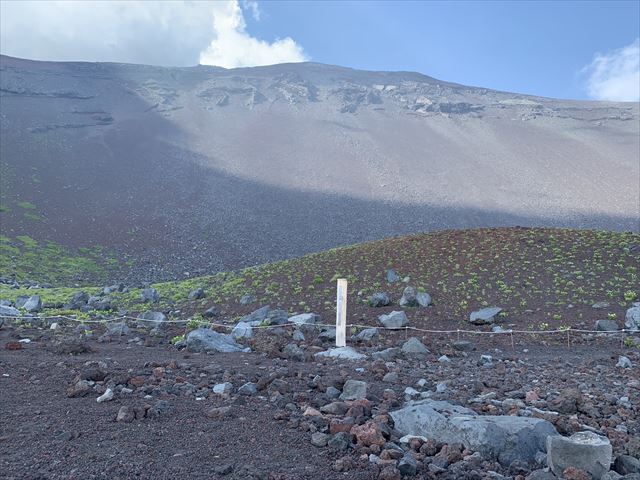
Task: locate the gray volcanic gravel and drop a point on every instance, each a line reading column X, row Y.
column 205, row 169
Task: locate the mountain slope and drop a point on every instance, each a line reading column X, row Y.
column 202, row 169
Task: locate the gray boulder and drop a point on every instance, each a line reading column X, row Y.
column 242, row 330
column 366, row 335
column 34, row 304
column 328, row 333
column 277, row 317
column 484, row 316
column 392, row 276
column 99, row 303
column 151, row 319
column 632, row 319
column 257, row 316
column 78, row 300
column 413, row 298
column 387, row 354
column 6, row 311
column 409, row 297
column 149, row 295
column 247, row 299
column 196, row 294
column 205, row 340
column 606, row 326
column 623, row 362
column 343, row 353
column 423, row 299
column 248, row 389
column 584, row 450
column 21, row 300
column 211, row 312
column 413, row 346
column 117, row 328
column 305, row 319
column 118, row 287
column 380, row 299
column 354, row 390
column 505, row 438
column 293, row 352
column 626, row 465
column 394, row 320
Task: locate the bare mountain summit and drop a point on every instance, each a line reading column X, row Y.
column 202, row 169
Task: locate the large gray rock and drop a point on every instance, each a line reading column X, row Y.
column 626, row 465
column 392, row 276
column 149, row 295
column 78, row 300
column 277, row 317
column 413, row 346
column 242, row 330
column 380, row 299
column 606, row 326
column 354, row 390
column 413, row 298
column 34, row 304
column 117, row 328
column 99, row 303
column 247, row 299
column 484, row 316
column 632, row 319
column 409, row 297
column 257, row 316
column 305, row 319
column 343, row 353
column 366, row 335
column 151, row 319
column 21, row 300
column 394, row 320
column 196, row 294
column 293, row 352
column 423, row 299
column 205, row 340
column 584, row 450
column 505, row 438
column 6, row 311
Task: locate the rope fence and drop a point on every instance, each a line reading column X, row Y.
column 322, row 325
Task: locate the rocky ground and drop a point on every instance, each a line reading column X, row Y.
column 121, row 401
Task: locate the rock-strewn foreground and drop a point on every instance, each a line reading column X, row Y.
column 80, row 404
column 204, row 169
column 492, row 354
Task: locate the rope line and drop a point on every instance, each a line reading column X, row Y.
column 322, row 325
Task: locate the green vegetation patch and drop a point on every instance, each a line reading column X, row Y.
column 24, row 258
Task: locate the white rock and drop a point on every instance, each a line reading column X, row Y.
column 106, row 396
column 344, row 353
column 623, row 362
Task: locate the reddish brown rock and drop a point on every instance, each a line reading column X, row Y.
column 368, row 434
column 137, row 381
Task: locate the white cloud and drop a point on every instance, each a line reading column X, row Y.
column 615, row 75
column 162, row 32
column 234, row 47
column 253, row 7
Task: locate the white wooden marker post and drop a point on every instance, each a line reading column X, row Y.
column 341, row 314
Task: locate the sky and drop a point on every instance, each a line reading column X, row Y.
column 581, row 50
